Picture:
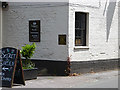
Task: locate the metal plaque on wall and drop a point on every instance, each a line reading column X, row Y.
column 62, row 39
column 34, row 30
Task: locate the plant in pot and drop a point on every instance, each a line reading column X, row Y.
column 30, row 72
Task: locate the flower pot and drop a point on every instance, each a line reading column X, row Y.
column 30, row 74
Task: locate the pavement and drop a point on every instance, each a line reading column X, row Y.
column 105, row 79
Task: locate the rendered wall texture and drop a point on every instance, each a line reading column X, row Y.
column 0, row 24
column 59, row 18
column 54, row 21
column 102, row 31
column 119, row 28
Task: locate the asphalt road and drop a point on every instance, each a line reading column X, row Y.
column 109, row 83
column 106, row 79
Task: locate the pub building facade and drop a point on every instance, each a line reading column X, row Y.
column 71, row 37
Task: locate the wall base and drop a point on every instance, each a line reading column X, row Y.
column 46, row 67
column 93, row 66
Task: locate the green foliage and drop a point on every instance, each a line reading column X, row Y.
column 28, row 65
column 27, row 52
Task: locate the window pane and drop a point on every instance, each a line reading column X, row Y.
column 78, row 33
column 80, row 28
column 78, row 42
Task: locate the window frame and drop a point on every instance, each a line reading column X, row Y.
column 87, row 32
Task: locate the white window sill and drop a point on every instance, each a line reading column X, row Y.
column 81, row 47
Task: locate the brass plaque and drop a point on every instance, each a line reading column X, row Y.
column 62, row 39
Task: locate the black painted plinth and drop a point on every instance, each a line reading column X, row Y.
column 93, row 66
column 47, row 67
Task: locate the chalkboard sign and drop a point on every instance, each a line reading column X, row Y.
column 34, row 30
column 10, row 61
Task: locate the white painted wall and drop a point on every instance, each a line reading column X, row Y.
column 119, row 28
column 103, row 23
column 54, row 21
column 0, row 25
column 57, row 19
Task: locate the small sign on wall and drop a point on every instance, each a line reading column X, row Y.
column 62, row 39
column 34, row 30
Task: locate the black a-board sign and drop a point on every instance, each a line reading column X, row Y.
column 11, row 67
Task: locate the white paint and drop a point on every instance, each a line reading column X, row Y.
column 119, row 28
column 0, row 26
column 54, row 21
column 99, row 19
column 88, row 3
column 58, row 18
column 38, row 0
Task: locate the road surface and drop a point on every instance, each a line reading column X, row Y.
column 106, row 79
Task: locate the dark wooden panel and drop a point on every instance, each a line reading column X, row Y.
column 34, row 30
